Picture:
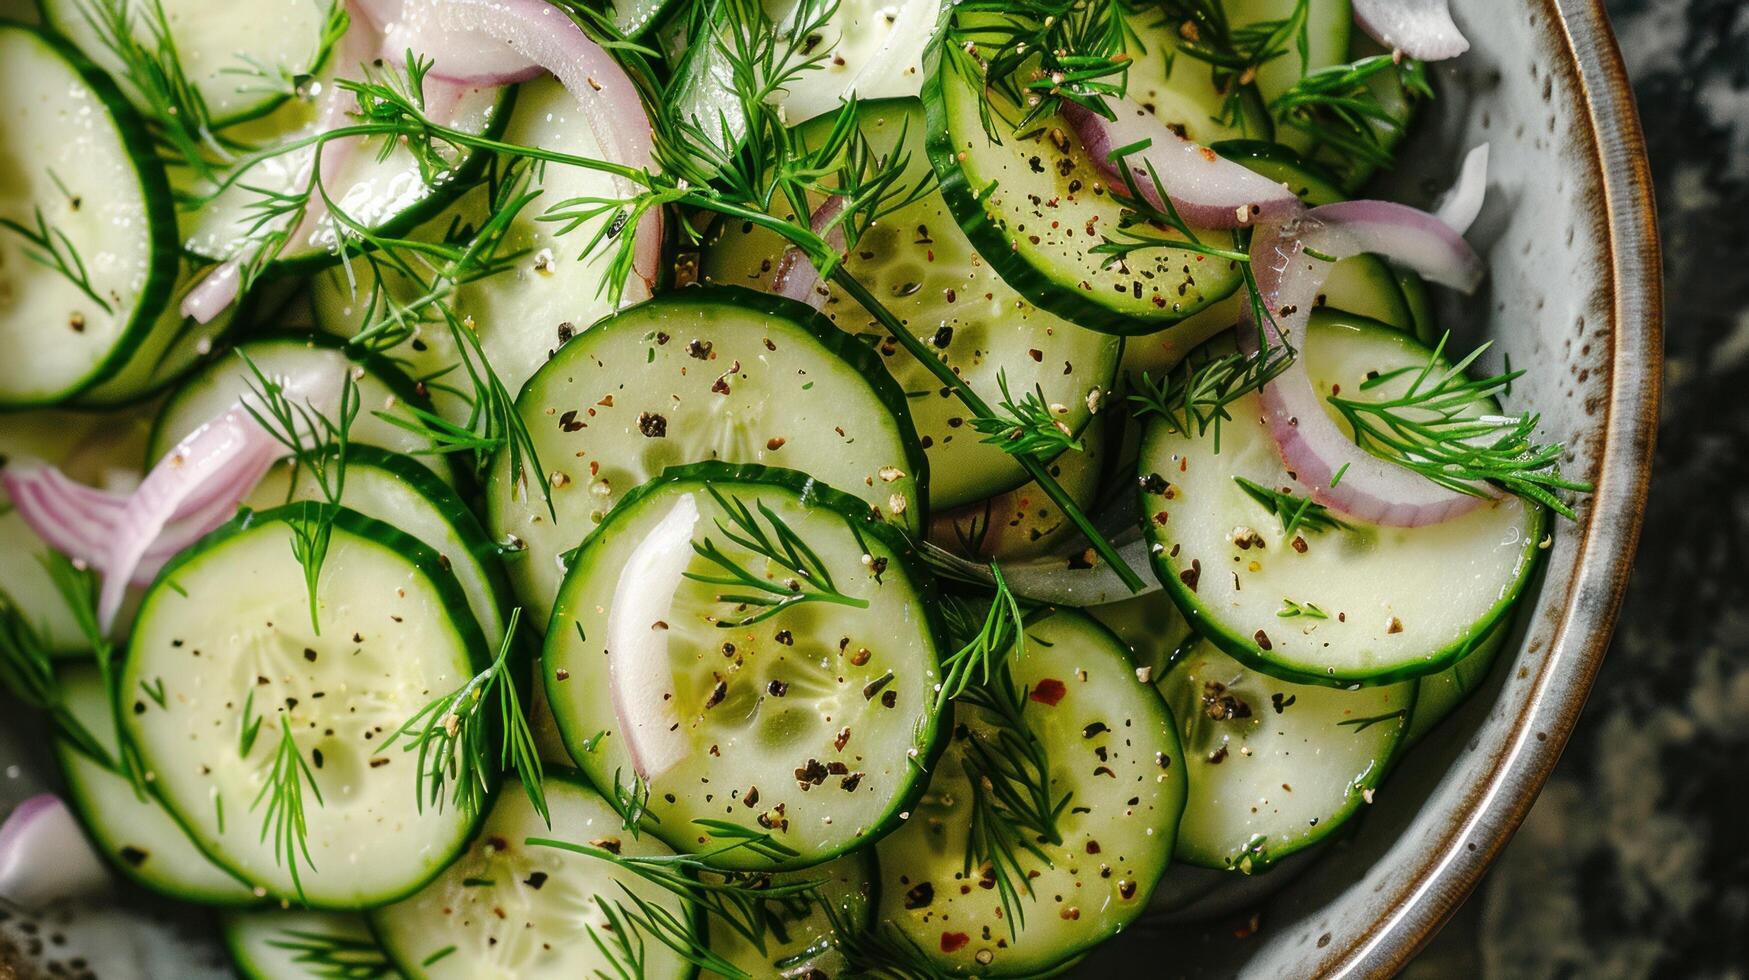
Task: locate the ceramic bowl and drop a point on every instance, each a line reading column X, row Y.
column 1573, row 294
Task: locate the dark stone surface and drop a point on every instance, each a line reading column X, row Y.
column 1635, row 861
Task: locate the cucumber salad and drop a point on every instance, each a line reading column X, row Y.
column 731, row 488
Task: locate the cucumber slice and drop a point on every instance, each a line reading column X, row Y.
column 386, row 194
column 1420, row 307
column 400, row 491
column 1397, row 602
column 138, row 836
column 509, row 909
column 224, row 635
column 1153, row 629
column 173, row 347
column 1274, row 766
column 801, row 944
column 215, row 388
column 1441, row 693
column 1179, row 89
column 1326, row 31
column 699, row 374
column 1366, row 287
column 521, row 315
column 1027, row 203
column 87, row 230
column 785, row 703
column 295, row 944
column 241, row 59
column 634, row 17
column 1024, row 523
column 1112, row 749
column 927, row 273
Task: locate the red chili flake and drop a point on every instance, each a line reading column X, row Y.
column 1048, row 692
column 953, row 942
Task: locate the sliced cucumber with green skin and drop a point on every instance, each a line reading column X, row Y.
column 82, row 179
column 1112, row 748
column 927, row 273
column 507, row 908
column 241, row 59
column 295, row 944
column 225, row 636
column 138, row 836
column 174, row 346
column 401, row 491
column 524, row 314
column 1441, row 693
column 387, row 195
column 1179, row 89
column 801, row 944
column 817, row 724
column 215, row 388
column 1328, row 26
column 1035, row 206
column 1378, row 603
column 1024, row 523
column 1274, row 766
column 699, row 374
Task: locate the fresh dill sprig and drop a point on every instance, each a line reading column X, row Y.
column 1362, row 724
column 808, row 579
column 151, row 69
column 1013, row 811
column 77, row 587
column 1195, row 398
column 48, row 246
column 1042, row 53
column 632, row 803
column 1433, row 428
column 1200, row 30
column 1295, row 512
column 735, row 899
column 1338, row 108
column 27, row 669
column 328, row 954
column 318, row 446
column 1300, row 610
column 629, row 927
column 451, row 734
column 284, row 817
column 983, row 644
column 1027, row 426
column 430, row 274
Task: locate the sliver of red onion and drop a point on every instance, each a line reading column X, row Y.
column 45, row 856
column 796, row 277
column 1207, row 190
column 1313, row 447
column 1419, row 28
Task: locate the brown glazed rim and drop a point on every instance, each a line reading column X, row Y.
column 1420, row 905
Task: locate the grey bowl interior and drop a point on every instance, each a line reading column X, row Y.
column 1573, row 295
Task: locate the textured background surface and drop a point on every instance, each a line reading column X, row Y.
column 1634, row 861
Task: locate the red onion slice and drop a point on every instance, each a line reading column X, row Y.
column 490, row 39
column 1208, row 190
column 1419, row 28
column 637, row 641
column 796, row 277
column 1313, row 447
column 45, row 856
column 1463, row 202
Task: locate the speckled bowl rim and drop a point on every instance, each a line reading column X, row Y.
column 1476, row 833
